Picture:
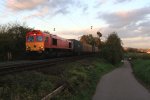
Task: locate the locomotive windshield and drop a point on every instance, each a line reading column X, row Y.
column 30, row 39
column 39, row 38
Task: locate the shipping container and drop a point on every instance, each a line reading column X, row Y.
column 77, row 46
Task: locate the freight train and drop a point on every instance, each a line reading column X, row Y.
column 43, row 42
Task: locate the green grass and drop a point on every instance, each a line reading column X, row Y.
column 25, row 86
column 141, row 69
column 81, row 78
column 137, row 55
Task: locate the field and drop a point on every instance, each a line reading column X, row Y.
column 80, row 77
column 138, row 55
column 141, row 69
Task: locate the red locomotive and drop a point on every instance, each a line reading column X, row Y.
column 52, row 45
column 38, row 41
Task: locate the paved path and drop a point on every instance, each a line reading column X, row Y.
column 120, row 84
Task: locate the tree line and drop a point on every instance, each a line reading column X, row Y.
column 111, row 49
column 12, row 43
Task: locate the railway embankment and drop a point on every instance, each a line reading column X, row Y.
column 80, row 79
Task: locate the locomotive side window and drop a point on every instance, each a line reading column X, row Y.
column 30, row 39
column 54, row 41
column 70, row 45
column 39, row 38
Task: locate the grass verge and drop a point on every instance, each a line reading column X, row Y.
column 80, row 76
column 137, row 55
column 141, row 68
column 83, row 77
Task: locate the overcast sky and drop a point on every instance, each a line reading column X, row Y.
column 73, row 18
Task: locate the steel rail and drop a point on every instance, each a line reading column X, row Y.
column 33, row 65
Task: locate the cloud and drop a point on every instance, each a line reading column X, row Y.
column 100, row 2
column 121, row 1
column 128, row 23
column 55, row 6
column 125, row 18
column 132, row 26
column 18, row 5
column 85, row 9
column 45, row 7
column 138, row 42
column 39, row 13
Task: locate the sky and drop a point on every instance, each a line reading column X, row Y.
column 74, row 18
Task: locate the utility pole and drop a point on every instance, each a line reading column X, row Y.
column 54, row 29
column 93, row 43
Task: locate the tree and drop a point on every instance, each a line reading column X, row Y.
column 88, row 39
column 112, row 49
column 83, row 39
column 12, row 40
column 91, row 40
column 99, row 34
column 97, row 41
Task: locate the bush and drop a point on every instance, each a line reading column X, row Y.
column 112, row 49
column 12, row 39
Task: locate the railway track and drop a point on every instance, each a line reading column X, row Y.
column 33, row 65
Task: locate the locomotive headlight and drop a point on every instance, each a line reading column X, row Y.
column 28, row 47
column 41, row 47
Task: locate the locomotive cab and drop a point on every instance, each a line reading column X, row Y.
column 35, row 41
column 43, row 42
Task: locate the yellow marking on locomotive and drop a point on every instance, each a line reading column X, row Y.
column 35, row 46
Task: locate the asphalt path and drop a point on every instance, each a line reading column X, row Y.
column 120, row 84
